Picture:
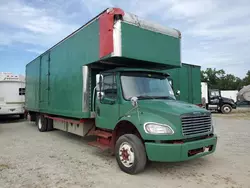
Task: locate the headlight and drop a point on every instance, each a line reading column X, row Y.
column 157, row 128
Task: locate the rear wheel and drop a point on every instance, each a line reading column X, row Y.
column 42, row 123
column 130, row 154
column 226, row 109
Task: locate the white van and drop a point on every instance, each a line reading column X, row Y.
column 12, row 94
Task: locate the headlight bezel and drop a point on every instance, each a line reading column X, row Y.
column 160, row 125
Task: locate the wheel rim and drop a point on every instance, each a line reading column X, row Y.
column 226, row 109
column 126, row 154
column 39, row 123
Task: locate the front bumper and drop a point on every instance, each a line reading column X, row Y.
column 180, row 152
column 234, row 106
column 11, row 110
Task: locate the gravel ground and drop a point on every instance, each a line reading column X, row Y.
column 29, row 158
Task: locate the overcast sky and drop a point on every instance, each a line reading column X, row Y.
column 215, row 33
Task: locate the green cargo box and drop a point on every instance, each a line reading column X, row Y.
column 187, row 80
column 58, row 81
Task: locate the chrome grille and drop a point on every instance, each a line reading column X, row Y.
column 193, row 124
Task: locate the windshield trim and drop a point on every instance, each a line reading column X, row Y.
column 138, row 74
column 134, row 73
column 120, row 77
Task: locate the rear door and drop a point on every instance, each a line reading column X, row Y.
column 44, row 81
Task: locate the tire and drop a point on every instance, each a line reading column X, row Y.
column 50, row 124
column 42, row 123
column 226, row 109
column 136, row 153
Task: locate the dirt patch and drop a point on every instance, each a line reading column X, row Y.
column 240, row 113
column 29, row 158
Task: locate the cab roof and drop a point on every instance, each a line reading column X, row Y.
column 134, row 70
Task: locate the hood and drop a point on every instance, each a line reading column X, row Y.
column 227, row 100
column 172, row 107
column 163, row 111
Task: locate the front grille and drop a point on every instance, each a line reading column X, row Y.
column 196, row 124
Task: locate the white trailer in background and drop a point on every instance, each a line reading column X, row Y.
column 12, row 94
column 204, row 93
column 231, row 94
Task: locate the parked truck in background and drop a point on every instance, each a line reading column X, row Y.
column 106, row 79
column 213, row 100
column 187, row 85
column 186, row 82
column 12, row 94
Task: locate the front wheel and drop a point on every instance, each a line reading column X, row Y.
column 130, row 154
column 226, row 109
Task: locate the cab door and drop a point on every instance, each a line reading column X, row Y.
column 107, row 107
column 214, row 99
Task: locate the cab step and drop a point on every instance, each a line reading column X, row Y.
column 99, row 145
column 103, row 140
column 100, row 133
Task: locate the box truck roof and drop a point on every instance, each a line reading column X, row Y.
column 59, row 80
column 123, row 35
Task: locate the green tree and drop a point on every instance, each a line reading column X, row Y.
column 229, row 82
column 246, row 80
column 218, row 79
column 212, row 76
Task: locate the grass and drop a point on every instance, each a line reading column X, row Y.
column 4, row 166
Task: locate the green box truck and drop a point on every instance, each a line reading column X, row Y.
column 106, row 79
column 186, row 81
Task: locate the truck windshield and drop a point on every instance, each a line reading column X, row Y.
column 146, row 86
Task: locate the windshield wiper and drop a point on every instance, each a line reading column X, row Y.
column 143, row 97
column 154, row 97
column 163, row 97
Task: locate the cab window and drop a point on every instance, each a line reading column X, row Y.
column 109, row 86
column 214, row 94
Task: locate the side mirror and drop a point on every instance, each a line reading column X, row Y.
column 99, row 83
column 99, row 80
column 134, row 101
column 178, row 92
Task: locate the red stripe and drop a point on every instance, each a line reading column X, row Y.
column 65, row 120
column 106, row 23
